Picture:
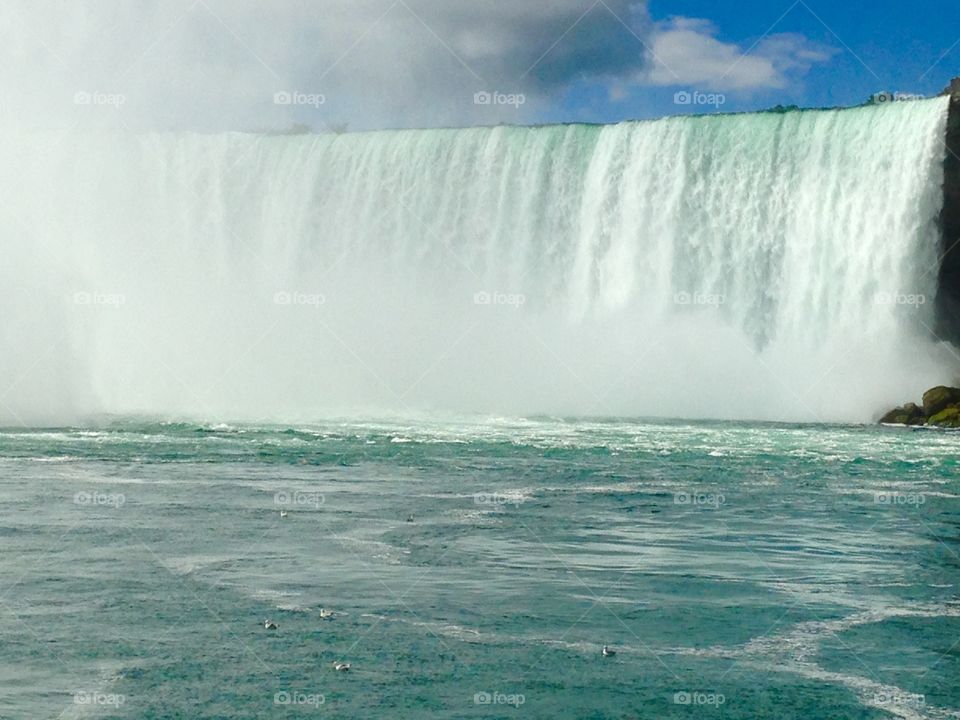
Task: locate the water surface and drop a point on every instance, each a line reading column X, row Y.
column 477, row 567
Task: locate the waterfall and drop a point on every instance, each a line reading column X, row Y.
column 776, row 266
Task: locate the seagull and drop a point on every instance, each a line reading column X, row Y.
column 325, row 614
column 341, row 666
column 270, row 625
column 607, row 652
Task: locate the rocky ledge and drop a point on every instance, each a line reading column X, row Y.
column 940, row 407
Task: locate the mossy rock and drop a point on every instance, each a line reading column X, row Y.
column 938, row 398
column 948, row 417
column 909, row 414
column 895, row 417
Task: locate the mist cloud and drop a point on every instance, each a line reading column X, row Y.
column 252, row 65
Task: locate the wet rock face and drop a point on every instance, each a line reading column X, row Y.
column 948, row 296
column 941, row 408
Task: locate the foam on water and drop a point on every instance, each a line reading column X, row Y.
column 768, row 598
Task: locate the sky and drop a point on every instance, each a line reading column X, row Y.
column 268, row 65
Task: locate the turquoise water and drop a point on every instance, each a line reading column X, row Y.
column 477, row 567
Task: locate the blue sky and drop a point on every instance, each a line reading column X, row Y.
column 908, row 47
column 213, row 65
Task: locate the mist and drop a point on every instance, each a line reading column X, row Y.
column 247, row 65
column 560, row 270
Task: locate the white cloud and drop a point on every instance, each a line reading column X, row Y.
column 686, row 51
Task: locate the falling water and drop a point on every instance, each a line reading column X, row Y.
column 765, row 266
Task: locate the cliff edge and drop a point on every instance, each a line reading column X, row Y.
column 948, row 296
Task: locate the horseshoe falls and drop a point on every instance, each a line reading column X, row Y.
column 771, row 266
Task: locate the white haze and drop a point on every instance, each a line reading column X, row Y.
column 214, row 65
column 140, row 263
column 757, row 266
